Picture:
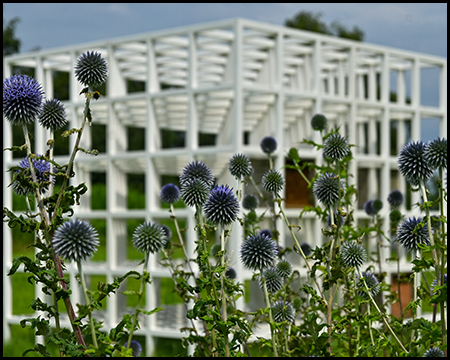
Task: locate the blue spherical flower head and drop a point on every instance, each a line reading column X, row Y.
column 170, row 193
column 372, row 283
column 434, row 352
column 272, row 181
column 75, row 240
column 268, row 145
column 436, row 153
column 274, row 281
column 149, row 238
column 136, row 347
column 284, row 268
column 412, row 163
column 240, row 166
column 22, row 99
column 53, row 115
column 222, row 206
column 395, row 198
column 326, row 189
column 410, row 233
column 353, row 254
column 335, row 147
column 372, row 207
column 250, row 202
column 91, row 69
column 230, row 273
column 198, row 170
column 319, row 122
column 283, row 311
column 42, row 171
column 258, row 251
column 194, row 192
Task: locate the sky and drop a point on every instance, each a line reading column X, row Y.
column 420, row 27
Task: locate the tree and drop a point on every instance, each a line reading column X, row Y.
column 11, row 44
column 307, row 20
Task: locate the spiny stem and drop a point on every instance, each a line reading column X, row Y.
column 266, row 294
column 88, row 303
column 379, row 311
column 141, row 292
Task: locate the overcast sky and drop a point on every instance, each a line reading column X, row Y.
column 417, row 27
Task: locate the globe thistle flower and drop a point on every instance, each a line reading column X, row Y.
column 326, row 189
column 274, row 281
column 372, row 283
column 240, row 166
column 53, row 115
column 434, row 284
column 436, row 153
column 395, row 198
column 335, row 147
column 222, row 206
column 22, row 99
column 250, row 202
column 272, row 181
column 353, row 254
column 42, row 171
column 268, row 144
column 75, row 240
column 283, row 311
column 306, row 248
column 91, row 69
column 136, row 347
column 284, row 268
column 395, row 216
column 412, row 163
column 167, row 232
column 230, row 273
column 409, row 234
column 434, row 352
column 258, row 251
column 198, row 170
column 194, row 192
column 149, row 237
column 372, row 207
column 266, row 232
column 319, row 122
column 170, row 193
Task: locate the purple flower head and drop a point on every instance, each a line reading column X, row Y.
column 53, row 115
column 258, row 251
column 22, row 99
column 222, row 206
column 268, row 145
column 91, row 69
column 410, row 233
column 240, row 166
column 75, row 240
column 170, row 193
column 197, row 170
column 149, row 237
column 436, row 153
column 42, row 171
column 412, row 163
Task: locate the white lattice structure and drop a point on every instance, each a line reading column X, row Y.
column 239, row 80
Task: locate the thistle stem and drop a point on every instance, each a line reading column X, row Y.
column 224, row 295
column 379, row 311
column 88, row 303
column 141, row 292
column 266, row 294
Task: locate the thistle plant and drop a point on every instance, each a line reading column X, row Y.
column 312, row 307
column 77, row 240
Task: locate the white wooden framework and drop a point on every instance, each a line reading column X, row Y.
column 239, row 80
